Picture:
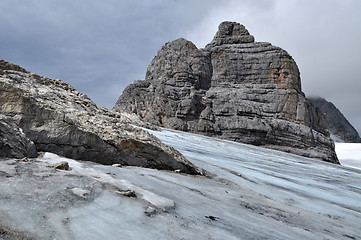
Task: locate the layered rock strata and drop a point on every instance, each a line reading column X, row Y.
column 61, row 120
column 234, row 88
column 337, row 124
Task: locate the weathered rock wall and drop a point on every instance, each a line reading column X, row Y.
column 13, row 142
column 59, row 119
column 234, row 88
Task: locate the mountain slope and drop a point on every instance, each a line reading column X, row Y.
column 336, row 121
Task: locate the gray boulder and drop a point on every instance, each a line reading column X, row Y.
column 234, row 88
column 13, row 142
column 337, row 124
column 61, row 120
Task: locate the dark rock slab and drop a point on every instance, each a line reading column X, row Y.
column 13, row 142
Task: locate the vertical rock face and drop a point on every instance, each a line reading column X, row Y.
column 234, row 88
column 336, row 121
column 61, row 120
column 13, row 142
column 178, row 78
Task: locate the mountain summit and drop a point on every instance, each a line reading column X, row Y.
column 234, row 88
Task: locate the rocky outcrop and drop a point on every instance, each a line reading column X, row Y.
column 61, row 120
column 13, row 142
column 234, row 88
column 337, row 124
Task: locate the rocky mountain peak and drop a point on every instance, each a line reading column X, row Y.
column 231, row 33
column 179, row 44
column 234, row 88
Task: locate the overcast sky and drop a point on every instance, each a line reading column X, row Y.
column 100, row 47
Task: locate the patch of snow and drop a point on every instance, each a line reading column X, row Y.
column 349, row 154
column 81, row 170
column 107, row 217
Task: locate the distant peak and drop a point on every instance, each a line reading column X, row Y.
column 231, row 33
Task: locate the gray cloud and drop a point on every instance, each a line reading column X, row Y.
column 102, row 46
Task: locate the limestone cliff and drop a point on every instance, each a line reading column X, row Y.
column 61, row 120
column 234, row 88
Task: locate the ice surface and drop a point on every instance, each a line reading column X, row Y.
column 246, row 192
column 349, row 154
column 121, row 184
column 80, row 192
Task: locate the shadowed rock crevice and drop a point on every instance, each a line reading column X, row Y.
column 234, row 88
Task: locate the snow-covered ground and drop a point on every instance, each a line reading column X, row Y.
column 246, row 192
column 349, row 154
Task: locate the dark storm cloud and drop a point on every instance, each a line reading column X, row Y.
column 97, row 46
column 101, row 46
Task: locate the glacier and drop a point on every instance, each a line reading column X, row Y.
column 349, row 154
column 244, row 192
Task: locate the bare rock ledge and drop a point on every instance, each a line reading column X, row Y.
column 61, row 120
